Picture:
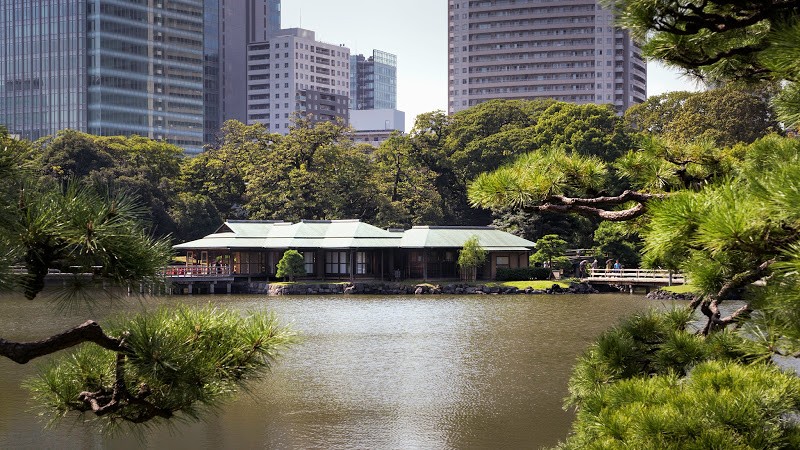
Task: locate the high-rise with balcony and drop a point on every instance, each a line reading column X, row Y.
column 293, row 73
column 373, row 81
column 105, row 67
column 567, row 50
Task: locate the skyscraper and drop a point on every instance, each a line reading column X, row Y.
column 293, row 73
column 373, row 81
column 568, row 50
column 106, row 67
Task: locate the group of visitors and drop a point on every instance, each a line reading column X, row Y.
column 586, row 269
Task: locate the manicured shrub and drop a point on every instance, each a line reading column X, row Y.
column 522, row 274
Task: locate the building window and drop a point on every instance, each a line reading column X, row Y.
column 362, row 267
column 336, row 263
column 308, row 262
column 502, row 262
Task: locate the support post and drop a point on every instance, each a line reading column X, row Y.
column 211, row 287
column 425, row 264
column 191, row 285
column 352, row 265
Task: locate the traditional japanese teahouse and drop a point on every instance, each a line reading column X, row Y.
column 345, row 249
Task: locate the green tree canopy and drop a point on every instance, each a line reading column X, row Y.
column 653, row 383
column 291, row 265
column 407, row 184
column 726, row 116
column 618, row 241
column 175, row 362
column 471, row 256
column 314, row 172
column 548, row 249
column 133, row 164
column 720, row 41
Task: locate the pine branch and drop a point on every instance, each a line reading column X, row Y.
column 594, row 207
column 102, row 402
column 710, row 307
column 89, row 331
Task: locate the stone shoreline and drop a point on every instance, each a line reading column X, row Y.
column 661, row 294
column 408, row 289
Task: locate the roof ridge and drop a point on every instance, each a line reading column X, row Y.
column 455, row 227
column 330, row 221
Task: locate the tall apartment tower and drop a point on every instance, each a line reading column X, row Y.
column 373, row 81
column 293, row 73
column 567, row 50
column 105, row 67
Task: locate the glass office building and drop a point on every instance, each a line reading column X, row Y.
column 212, row 95
column 43, row 66
column 373, row 81
column 106, row 67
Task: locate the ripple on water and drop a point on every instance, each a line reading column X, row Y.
column 371, row 372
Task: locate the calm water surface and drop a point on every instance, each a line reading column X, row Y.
column 371, row 372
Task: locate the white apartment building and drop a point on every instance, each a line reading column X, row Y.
column 292, row 73
column 568, row 50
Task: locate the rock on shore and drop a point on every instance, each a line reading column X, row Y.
column 373, row 288
column 661, row 294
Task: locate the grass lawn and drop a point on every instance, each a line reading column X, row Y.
column 309, row 282
column 680, row 289
column 535, row 284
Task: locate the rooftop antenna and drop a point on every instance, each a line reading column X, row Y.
column 301, row 18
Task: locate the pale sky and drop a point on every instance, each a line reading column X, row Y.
column 415, row 31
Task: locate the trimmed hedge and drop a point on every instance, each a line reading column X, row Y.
column 523, row 274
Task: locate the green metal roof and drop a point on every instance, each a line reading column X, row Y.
column 489, row 238
column 221, row 242
column 339, row 234
column 344, row 234
column 249, row 228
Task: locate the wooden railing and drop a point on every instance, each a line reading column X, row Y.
column 198, row 270
column 641, row 276
column 579, row 252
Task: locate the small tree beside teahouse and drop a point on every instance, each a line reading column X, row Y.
column 291, row 265
column 550, row 248
column 471, row 256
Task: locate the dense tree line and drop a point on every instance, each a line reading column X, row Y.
column 420, row 178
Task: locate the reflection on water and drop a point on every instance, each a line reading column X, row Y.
column 396, row 372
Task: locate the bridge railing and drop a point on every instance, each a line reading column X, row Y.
column 636, row 276
column 195, row 270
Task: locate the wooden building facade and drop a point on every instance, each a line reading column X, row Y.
column 345, row 250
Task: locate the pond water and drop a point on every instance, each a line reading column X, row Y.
column 426, row 372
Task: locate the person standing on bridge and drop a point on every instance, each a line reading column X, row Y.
column 609, row 265
column 594, row 266
column 617, row 267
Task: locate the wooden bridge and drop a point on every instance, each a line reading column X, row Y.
column 635, row 277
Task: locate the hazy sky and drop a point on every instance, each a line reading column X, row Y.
column 415, row 31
